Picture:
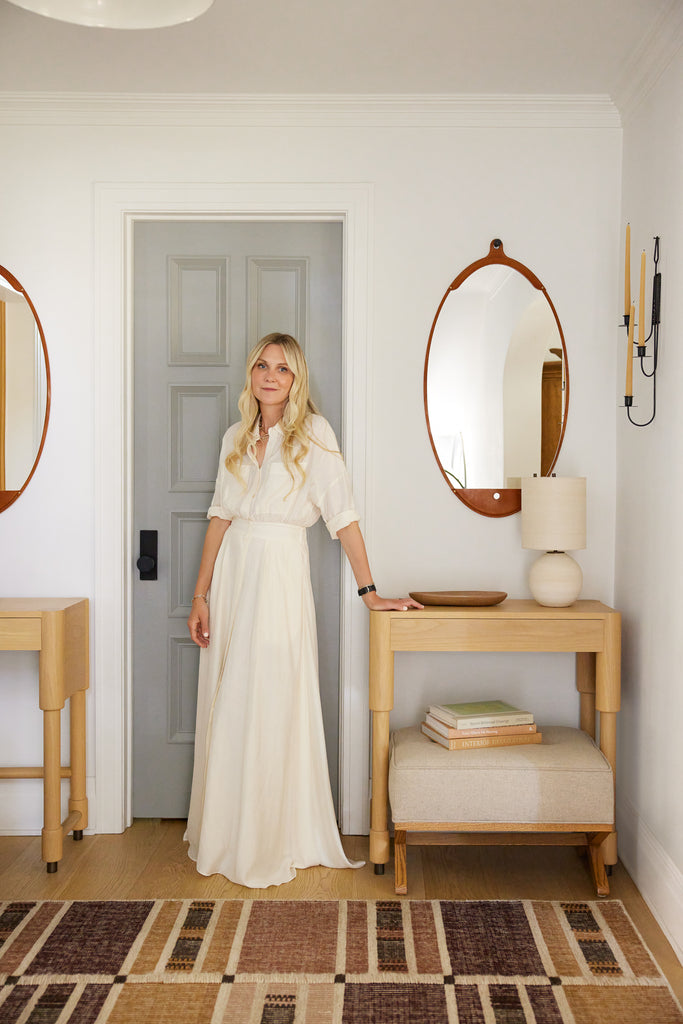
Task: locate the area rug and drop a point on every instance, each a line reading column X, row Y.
column 348, row 962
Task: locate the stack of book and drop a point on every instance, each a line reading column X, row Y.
column 480, row 723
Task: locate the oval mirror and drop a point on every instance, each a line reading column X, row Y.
column 24, row 389
column 496, row 383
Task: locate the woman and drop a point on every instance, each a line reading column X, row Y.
column 261, row 802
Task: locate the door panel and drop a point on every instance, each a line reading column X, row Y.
column 203, row 293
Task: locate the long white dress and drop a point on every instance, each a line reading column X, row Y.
column 261, row 802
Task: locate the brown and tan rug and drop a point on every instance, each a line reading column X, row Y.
column 349, row 962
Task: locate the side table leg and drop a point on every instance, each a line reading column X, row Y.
column 78, row 800
column 381, row 687
column 585, row 684
column 51, row 690
column 379, row 834
column 52, row 824
column 608, row 745
column 608, row 702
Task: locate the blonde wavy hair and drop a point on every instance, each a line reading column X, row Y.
column 296, row 440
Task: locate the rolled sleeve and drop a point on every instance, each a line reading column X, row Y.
column 341, row 520
column 333, row 493
column 217, row 509
column 217, row 512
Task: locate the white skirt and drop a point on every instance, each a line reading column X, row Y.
column 261, row 802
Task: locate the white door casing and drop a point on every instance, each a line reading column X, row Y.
column 117, row 207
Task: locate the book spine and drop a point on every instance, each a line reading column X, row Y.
column 502, row 730
column 471, row 743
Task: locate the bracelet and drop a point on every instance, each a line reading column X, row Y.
column 367, row 590
column 197, row 596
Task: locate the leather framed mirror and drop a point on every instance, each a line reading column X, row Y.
column 496, row 383
column 24, row 389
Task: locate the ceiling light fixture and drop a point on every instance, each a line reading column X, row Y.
column 124, row 14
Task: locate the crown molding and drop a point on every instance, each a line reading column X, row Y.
column 309, row 111
column 650, row 59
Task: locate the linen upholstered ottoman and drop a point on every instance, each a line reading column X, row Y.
column 562, row 787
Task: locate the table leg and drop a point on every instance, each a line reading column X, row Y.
column 585, row 684
column 379, row 834
column 78, row 800
column 608, row 745
column 51, row 690
column 381, row 703
column 607, row 701
column 52, row 817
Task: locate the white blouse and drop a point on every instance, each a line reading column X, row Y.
column 269, row 495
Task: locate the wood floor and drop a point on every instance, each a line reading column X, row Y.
column 150, row 860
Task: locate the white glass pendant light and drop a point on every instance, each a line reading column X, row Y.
column 125, row 14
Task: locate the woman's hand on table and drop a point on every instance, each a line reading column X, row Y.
column 375, row 603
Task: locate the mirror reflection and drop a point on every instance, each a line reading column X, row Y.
column 495, row 381
column 24, row 389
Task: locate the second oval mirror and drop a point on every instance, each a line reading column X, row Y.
column 24, row 389
column 496, row 383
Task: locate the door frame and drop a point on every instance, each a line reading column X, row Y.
column 117, row 207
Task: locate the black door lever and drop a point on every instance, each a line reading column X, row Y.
column 147, row 562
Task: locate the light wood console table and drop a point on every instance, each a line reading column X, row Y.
column 58, row 629
column 589, row 629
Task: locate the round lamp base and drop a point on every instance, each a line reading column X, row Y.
column 555, row 579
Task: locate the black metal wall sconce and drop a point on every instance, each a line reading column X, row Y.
column 642, row 353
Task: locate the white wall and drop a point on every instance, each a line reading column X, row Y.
column 441, row 193
column 649, row 550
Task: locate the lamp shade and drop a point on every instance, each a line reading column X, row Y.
column 125, row 14
column 554, row 513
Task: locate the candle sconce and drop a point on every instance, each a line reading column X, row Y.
column 642, row 343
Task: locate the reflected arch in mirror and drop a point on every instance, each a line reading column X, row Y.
column 24, row 389
column 496, row 383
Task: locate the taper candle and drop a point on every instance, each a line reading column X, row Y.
column 627, row 272
column 629, row 355
column 641, row 308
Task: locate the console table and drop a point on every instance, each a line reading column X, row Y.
column 58, row 629
column 589, row 629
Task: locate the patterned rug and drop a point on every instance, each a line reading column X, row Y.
column 349, row 962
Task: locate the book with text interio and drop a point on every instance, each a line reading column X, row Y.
column 480, row 714
column 472, row 742
column 496, row 730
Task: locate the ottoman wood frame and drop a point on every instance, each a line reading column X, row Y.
column 589, row 629
column 464, row 833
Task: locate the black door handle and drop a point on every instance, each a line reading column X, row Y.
column 147, row 562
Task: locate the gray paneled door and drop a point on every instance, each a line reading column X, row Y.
column 204, row 291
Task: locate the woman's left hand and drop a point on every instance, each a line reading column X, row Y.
column 389, row 604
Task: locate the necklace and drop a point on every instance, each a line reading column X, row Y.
column 263, row 433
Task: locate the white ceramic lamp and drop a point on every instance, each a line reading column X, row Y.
column 554, row 521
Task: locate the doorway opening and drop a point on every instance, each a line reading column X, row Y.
column 204, row 292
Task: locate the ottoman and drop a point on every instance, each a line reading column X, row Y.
column 562, row 788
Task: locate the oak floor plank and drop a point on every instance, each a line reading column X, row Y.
column 10, row 849
column 27, row 877
column 505, row 872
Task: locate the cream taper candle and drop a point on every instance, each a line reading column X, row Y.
column 627, row 272
column 641, row 308
column 629, row 355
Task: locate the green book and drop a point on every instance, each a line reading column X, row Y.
column 481, row 714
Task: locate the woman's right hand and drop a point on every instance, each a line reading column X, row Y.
column 198, row 622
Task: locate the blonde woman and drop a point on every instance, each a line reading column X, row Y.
column 261, row 803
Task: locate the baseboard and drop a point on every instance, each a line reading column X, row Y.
column 658, row 878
